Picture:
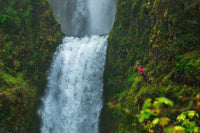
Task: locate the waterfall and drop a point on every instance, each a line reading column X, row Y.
column 73, row 99
column 84, row 17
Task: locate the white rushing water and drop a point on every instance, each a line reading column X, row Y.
column 84, row 17
column 73, row 99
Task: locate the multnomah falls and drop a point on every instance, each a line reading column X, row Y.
column 73, row 100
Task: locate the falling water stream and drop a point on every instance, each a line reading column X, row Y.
column 73, row 99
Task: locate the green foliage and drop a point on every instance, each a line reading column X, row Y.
column 156, row 109
column 185, row 117
column 29, row 37
column 9, row 18
column 163, row 36
column 15, row 95
column 132, row 77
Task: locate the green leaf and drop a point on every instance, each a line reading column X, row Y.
column 147, row 104
column 179, row 129
column 145, row 115
column 181, row 117
column 155, row 121
column 192, row 124
column 191, row 114
column 157, row 104
column 185, row 122
column 165, row 101
column 196, row 129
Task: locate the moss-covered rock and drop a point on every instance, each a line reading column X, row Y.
column 29, row 36
column 163, row 36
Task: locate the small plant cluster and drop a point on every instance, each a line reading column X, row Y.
column 158, row 116
column 153, row 115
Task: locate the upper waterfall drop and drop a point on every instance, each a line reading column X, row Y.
column 84, row 17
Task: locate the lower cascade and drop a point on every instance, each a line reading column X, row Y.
column 73, row 99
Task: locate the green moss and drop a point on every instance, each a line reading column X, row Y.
column 163, row 36
column 29, row 36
